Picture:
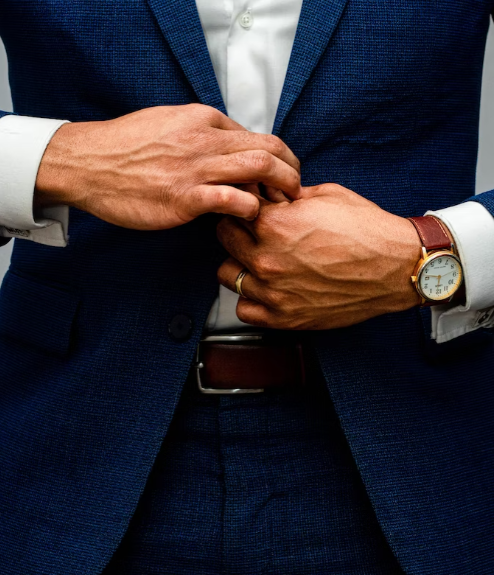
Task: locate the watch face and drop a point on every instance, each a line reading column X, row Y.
column 441, row 275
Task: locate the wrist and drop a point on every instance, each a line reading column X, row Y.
column 57, row 181
column 410, row 247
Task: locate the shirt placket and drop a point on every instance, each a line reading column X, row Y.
column 245, row 100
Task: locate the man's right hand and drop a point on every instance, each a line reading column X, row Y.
column 162, row 167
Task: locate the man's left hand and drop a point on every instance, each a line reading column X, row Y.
column 328, row 260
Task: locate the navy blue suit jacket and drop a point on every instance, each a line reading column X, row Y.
column 381, row 96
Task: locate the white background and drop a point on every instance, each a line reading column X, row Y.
column 485, row 170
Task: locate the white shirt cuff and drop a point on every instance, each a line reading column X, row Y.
column 23, row 141
column 472, row 228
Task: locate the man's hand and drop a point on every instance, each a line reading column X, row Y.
column 328, row 260
column 162, row 167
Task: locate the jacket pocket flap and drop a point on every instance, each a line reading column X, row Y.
column 35, row 313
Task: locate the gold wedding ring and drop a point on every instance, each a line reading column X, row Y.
column 239, row 280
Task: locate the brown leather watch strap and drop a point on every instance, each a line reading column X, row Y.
column 432, row 233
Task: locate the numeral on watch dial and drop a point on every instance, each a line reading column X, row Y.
column 440, row 278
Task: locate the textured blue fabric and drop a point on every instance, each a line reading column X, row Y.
column 214, row 485
column 19, row 306
column 486, row 199
column 381, row 97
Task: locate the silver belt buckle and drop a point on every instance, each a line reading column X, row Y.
column 227, row 338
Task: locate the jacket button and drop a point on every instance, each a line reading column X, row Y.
column 180, row 327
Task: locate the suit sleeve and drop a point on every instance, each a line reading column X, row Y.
column 486, row 199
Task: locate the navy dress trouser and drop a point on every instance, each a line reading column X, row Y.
column 255, row 484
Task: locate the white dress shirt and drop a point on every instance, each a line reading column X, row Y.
column 249, row 42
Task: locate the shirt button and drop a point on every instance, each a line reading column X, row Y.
column 180, row 327
column 246, row 20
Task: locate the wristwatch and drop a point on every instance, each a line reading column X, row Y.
column 438, row 275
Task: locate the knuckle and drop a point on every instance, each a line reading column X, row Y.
column 336, row 188
column 276, row 146
column 294, row 179
column 275, row 299
column 205, row 113
column 263, row 266
column 222, row 198
column 251, row 317
column 242, row 316
column 243, row 313
column 196, row 109
column 262, row 161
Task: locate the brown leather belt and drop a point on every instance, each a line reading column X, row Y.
column 244, row 363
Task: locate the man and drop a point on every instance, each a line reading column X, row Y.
column 387, row 468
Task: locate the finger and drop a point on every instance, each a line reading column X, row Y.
column 228, row 274
column 223, row 122
column 254, row 313
column 252, row 226
column 214, row 118
column 254, row 166
column 223, row 200
column 275, row 195
column 243, row 140
column 251, row 188
column 248, row 141
column 237, row 240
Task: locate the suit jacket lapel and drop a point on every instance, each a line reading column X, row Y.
column 318, row 21
column 180, row 24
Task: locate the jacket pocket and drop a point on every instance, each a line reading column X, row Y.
column 37, row 314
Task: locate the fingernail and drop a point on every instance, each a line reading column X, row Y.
column 252, row 218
